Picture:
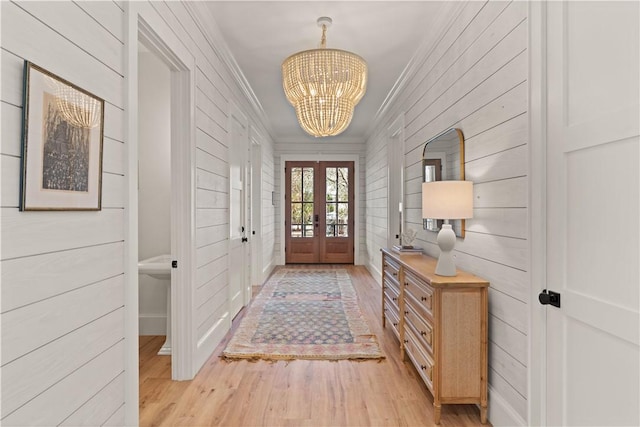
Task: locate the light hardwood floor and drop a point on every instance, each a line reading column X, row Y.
column 296, row 393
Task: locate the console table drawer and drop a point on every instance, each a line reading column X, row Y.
column 422, row 328
column 423, row 363
column 391, row 266
column 392, row 315
column 421, row 292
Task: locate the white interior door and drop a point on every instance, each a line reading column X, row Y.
column 593, row 159
column 238, row 143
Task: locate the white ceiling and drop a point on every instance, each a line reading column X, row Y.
column 261, row 34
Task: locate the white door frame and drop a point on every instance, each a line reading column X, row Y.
column 144, row 24
column 537, row 212
column 256, row 206
column 395, row 167
column 356, row 195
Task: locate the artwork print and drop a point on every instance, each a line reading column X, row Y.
column 62, row 144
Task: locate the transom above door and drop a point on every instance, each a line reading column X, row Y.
column 319, row 212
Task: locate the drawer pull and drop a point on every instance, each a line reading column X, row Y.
column 428, row 370
column 394, row 273
column 406, row 313
column 406, row 283
column 406, row 341
column 394, row 298
column 426, row 300
column 395, row 324
column 427, row 336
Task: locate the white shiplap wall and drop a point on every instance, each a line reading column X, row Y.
column 63, row 272
column 474, row 77
column 63, row 353
column 268, row 211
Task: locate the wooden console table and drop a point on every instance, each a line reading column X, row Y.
column 441, row 324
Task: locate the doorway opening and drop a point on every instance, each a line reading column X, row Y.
column 319, row 212
column 154, row 201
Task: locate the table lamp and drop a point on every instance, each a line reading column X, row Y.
column 447, row 200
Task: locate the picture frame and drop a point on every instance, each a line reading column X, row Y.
column 62, row 140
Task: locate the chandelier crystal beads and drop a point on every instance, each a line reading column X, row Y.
column 324, row 85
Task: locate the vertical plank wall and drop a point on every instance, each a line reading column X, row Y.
column 62, row 272
column 474, row 78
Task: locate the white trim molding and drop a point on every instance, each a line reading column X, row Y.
column 536, row 372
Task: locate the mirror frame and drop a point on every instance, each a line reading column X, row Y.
column 447, row 132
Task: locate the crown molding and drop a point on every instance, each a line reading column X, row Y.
column 451, row 9
column 201, row 14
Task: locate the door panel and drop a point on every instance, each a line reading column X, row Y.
column 302, row 242
column 237, row 213
column 319, row 212
column 593, row 215
column 336, row 242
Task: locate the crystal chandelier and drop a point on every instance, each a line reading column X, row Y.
column 324, row 85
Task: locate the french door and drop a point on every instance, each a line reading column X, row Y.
column 319, row 212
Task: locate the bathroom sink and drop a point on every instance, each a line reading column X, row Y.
column 158, row 267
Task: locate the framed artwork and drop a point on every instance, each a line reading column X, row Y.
column 61, row 144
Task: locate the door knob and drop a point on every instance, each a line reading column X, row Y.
column 549, row 298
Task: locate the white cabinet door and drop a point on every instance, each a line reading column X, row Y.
column 593, row 187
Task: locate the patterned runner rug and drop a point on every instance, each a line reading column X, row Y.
column 304, row 314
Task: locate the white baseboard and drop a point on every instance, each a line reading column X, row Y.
column 374, row 271
column 266, row 271
column 152, row 324
column 209, row 341
column 500, row 413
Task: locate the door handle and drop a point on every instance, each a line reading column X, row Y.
column 549, row 298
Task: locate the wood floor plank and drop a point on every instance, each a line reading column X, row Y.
column 296, row 393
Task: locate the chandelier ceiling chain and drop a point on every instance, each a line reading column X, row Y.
column 324, row 85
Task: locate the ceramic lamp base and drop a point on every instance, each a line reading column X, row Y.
column 446, row 242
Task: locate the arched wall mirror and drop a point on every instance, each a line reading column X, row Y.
column 442, row 160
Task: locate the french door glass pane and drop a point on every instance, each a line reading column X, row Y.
column 343, row 213
column 296, row 184
column 302, row 202
column 307, row 211
column 307, row 184
column 337, row 214
column 296, row 213
column 343, row 184
column 332, row 184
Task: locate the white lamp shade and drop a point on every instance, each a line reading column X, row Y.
column 447, row 199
